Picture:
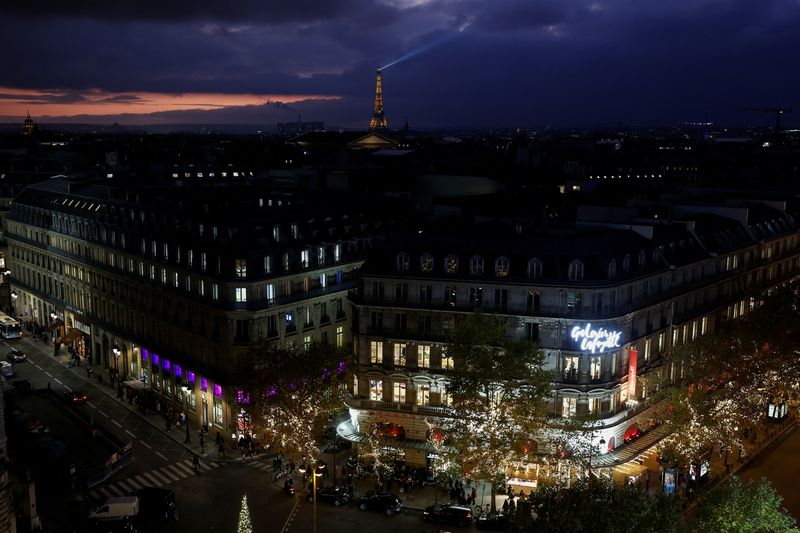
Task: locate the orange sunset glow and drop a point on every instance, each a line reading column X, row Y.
column 65, row 103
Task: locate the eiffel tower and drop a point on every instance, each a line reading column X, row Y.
column 378, row 121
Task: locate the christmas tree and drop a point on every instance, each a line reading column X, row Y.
column 245, row 525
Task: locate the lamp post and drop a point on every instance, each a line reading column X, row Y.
column 316, row 470
column 13, row 303
column 117, row 352
column 591, row 451
column 185, row 389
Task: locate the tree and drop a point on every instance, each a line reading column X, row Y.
column 739, row 507
column 598, row 506
column 294, row 394
column 245, row 524
column 498, row 394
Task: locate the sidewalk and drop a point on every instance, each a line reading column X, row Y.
column 418, row 498
column 177, row 434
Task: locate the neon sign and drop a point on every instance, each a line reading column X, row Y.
column 595, row 340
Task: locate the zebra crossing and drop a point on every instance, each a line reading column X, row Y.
column 165, row 475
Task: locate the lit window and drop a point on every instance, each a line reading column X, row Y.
column 175, row 280
column 321, row 255
column 267, row 264
column 501, row 267
column 399, row 354
column 451, row 264
column 152, row 272
column 424, row 356
column 423, row 394
column 376, row 352
column 337, row 252
column 426, row 263
column 307, row 342
column 569, row 407
column 376, row 389
column 201, row 288
column 241, row 294
column 164, row 276
column 399, row 392
column 166, row 251
column 304, row 258
column 339, row 336
column 215, row 291
column 203, row 261
column 595, row 368
column 270, row 292
column 189, row 258
column 241, row 268
column 447, row 360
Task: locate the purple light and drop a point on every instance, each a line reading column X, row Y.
column 203, row 384
column 166, row 364
column 341, row 367
column 326, row 374
column 218, row 390
column 190, row 376
column 145, row 354
column 242, row 397
column 272, row 392
column 178, row 371
column 155, row 358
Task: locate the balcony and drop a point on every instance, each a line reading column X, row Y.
column 380, row 405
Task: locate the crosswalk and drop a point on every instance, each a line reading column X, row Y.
column 154, row 478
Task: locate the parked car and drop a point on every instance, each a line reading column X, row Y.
column 335, row 495
column 157, row 502
column 75, row 396
column 494, row 521
column 16, row 356
column 6, row 369
column 448, row 513
column 389, row 504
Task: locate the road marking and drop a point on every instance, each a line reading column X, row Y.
column 146, row 445
column 129, row 433
column 48, row 374
column 158, row 454
column 105, row 492
column 117, row 423
column 113, row 489
column 102, row 413
column 59, row 381
column 125, row 485
column 69, row 389
column 178, row 471
column 141, row 481
column 167, row 473
column 288, row 522
column 90, row 404
column 37, row 366
column 183, row 468
column 163, row 480
column 206, row 466
column 152, row 479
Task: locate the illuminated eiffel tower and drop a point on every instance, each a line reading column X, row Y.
column 378, row 121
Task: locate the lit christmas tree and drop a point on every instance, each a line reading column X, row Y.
column 245, row 524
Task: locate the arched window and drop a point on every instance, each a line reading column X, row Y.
column 612, row 268
column 626, row 263
column 426, row 263
column 535, row 268
column 575, row 272
column 451, row 264
column 501, row 267
column 641, row 259
column 476, row 265
column 402, row 262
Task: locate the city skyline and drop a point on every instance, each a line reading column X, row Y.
column 505, row 64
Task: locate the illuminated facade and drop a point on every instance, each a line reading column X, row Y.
column 603, row 301
column 170, row 285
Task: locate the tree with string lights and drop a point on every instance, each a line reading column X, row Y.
column 245, row 523
column 294, row 393
column 498, row 393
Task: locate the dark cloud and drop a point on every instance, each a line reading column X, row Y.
column 516, row 62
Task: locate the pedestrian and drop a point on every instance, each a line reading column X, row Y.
column 169, row 423
column 473, row 495
column 221, row 448
column 505, row 506
column 647, row 480
column 88, row 372
column 196, row 464
column 202, row 439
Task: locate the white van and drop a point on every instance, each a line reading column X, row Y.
column 116, row 508
column 7, row 369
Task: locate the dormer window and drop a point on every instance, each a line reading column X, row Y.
column 612, row 268
column 657, row 254
column 402, row 261
column 642, row 258
column 575, row 272
column 501, row 267
column 426, row 263
column 626, row 263
column 451, row 264
column 476, row 265
column 535, row 268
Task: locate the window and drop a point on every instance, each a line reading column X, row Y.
column 501, row 298
column 535, row 268
column 423, row 394
column 425, row 294
column 175, row 280
column 531, row 331
column 401, row 292
column 571, row 367
column 241, row 268
column 423, row 356
column 569, row 407
column 217, row 409
column 594, row 369
column 294, row 230
column 612, row 268
column 662, row 341
column 445, row 399
column 399, row 354
column 189, row 258
column 376, row 390
column 308, row 318
column 501, row 267
column 424, row 324
column 642, row 259
column 189, row 283
column 152, row 272
column 594, row 405
column 307, row 342
column 285, row 262
column 703, row 325
column 323, row 281
column 305, row 258
column 400, row 321
column 355, row 384
column 201, row 288
column 141, row 268
column 203, row 261
column 450, row 296
column 426, row 263
column 241, row 294
column 267, row 264
column 647, row 347
column 276, row 233
column 476, row 296
column 153, row 248
column 626, row 263
column 399, row 391
column 451, row 264
column 215, row 291
column 339, row 336
column 447, row 360
column 166, row 252
column 270, row 292
column 321, row 255
column 575, row 271
column 402, row 262
column 164, row 276
column 377, row 320
column 377, row 291
column 290, row 324
column 376, row 352
column 476, row 265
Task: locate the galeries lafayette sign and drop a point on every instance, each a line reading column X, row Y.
column 595, row 340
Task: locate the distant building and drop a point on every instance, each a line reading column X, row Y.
column 28, row 126
column 298, row 128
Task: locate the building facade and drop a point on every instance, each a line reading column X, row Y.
column 603, row 300
column 168, row 286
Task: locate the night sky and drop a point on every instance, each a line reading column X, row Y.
column 505, row 63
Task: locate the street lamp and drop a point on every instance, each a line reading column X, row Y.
column 117, row 352
column 13, row 302
column 317, row 470
column 591, row 450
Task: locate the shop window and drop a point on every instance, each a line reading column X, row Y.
column 595, row 368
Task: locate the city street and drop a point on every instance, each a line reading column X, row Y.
column 779, row 464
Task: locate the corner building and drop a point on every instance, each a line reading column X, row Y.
column 168, row 285
column 604, row 301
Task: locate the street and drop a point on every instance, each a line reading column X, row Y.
column 780, row 465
